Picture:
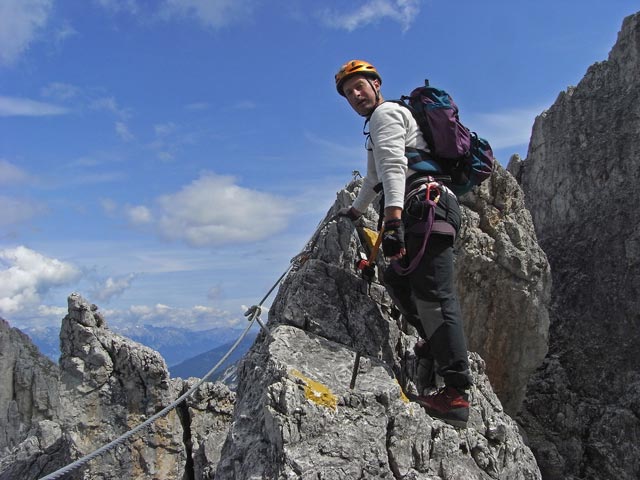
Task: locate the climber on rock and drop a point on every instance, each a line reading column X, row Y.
column 425, row 293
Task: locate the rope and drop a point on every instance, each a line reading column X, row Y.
column 252, row 313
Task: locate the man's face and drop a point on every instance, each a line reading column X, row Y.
column 360, row 94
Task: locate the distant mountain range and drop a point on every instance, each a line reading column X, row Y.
column 176, row 345
column 200, row 365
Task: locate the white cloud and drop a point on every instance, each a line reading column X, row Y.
column 112, row 287
column 129, row 6
column 197, row 317
column 60, row 91
column 52, row 311
column 211, row 13
column 27, row 275
column 244, row 105
column 63, row 32
column 212, row 210
column 15, row 210
column 109, row 206
column 197, row 106
column 164, row 129
column 123, row 131
column 24, row 107
column 216, row 292
column 11, row 174
column 20, row 21
column 109, row 104
column 139, row 215
column 373, row 11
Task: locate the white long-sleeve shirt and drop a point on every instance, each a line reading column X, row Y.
column 392, row 128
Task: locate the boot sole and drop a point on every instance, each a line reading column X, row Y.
column 454, row 422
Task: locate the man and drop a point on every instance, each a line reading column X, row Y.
column 419, row 279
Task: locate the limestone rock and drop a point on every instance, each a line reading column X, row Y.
column 29, row 407
column 580, row 177
column 503, row 282
column 107, row 384
column 297, row 418
column 29, row 391
column 296, row 415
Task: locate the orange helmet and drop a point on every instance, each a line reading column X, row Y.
column 355, row 67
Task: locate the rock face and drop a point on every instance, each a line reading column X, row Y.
column 29, row 405
column 296, row 415
column 106, row 385
column 582, row 411
column 503, row 281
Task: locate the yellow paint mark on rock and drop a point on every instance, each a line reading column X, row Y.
column 317, row 392
column 403, row 397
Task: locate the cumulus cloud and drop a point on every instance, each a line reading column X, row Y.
column 20, row 21
column 26, row 275
column 25, row 107
column 112, row 287
column 373, row 11
column 212, row 210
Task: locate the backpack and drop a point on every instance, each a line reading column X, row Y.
column 455, row 151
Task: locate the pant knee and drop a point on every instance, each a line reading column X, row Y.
column 430, row 315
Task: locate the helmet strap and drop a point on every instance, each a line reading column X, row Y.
column 377, row 92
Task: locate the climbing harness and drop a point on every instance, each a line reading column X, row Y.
column 422, row 200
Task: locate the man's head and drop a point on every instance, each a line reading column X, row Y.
column 359, row 82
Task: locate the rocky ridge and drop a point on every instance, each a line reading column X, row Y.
column 295, row 415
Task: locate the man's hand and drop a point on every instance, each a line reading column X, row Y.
column 349, row 212
column 393, row 239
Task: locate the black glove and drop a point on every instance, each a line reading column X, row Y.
column 393, row 237
column 349, row 212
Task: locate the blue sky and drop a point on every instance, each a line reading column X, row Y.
column 168, row 158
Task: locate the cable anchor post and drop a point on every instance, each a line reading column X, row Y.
column 254, row 313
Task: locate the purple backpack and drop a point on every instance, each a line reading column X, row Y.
column 458, row 152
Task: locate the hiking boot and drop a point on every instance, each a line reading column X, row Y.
column 447, row 404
